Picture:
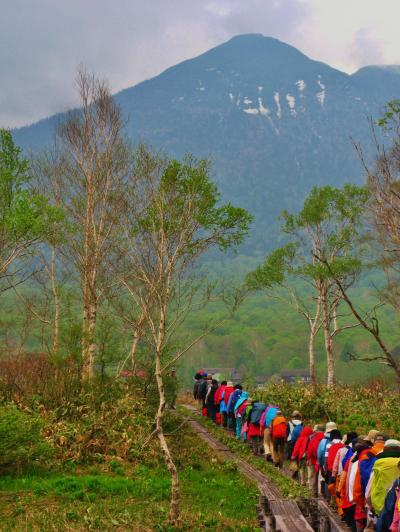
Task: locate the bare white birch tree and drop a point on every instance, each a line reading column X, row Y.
column 86, row 174
column 172, row 219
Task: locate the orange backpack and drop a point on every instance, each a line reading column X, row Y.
column 279, row 427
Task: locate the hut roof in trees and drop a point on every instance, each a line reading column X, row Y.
column 295, row 375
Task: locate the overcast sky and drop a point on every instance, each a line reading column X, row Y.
column 43, row 41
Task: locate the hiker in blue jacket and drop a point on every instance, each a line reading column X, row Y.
column 270, row 415
column 322, row 456
column 294, row 428
column 239, row 411
column 386, row 516
column 231, row 406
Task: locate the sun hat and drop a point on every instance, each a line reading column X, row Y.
column 330, row 426
column 381, row 436
column 361, row 443
column 296, row 413
column 371, row 436
column 392, row 443
column 230, row 383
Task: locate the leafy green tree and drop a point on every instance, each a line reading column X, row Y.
column 326, row 231
column 173, row 217
column 323, row 233
column 25, row 215
column 277, row 276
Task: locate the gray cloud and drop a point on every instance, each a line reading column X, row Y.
column 366, row 49
column 43, row 41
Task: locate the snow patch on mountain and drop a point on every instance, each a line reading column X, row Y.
column 278, row 104
column 263, row 110
column 321, row 97
column 247, row 101
column 291, row 100
column 251, row 111
column 231, row 97
column 301, row 85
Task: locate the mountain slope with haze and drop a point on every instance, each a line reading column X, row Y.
column 273, row 121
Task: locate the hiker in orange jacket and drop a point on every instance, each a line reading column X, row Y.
column 278, row 436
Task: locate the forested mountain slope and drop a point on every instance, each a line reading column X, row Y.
column 273, row 121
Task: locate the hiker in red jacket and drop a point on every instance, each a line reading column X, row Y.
column 223, row 405
column 218, row 393
column 299, row 454
column 312, row 458
column 217, row 402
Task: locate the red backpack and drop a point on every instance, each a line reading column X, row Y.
column 279, row 427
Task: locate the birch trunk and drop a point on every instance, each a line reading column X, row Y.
column 88, row 365
column 135, row 341
column 311, row 351
column 174, row 511
column 85, row 321
column 89, row 288
column 56, row 330
column 330, row 363
column 314, row 327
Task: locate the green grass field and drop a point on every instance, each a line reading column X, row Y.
column 119, row 496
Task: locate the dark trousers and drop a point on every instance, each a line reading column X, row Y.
column 211, row 411
column 255, row 444
column 279, row 451
column 289, row 450
column 348, row 517
column 224, row 419
column 231, row 422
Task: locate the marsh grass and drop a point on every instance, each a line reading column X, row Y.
column 289, row 488
column 119, row 496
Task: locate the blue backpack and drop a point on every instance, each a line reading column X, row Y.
column 235, row 396
column 257, row 412
column 296, row 432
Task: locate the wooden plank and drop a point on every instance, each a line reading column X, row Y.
column 288, row 516
column 333, row 520
column 275, row 512
column 287, row 523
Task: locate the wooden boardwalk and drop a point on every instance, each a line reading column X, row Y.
column 274, row 511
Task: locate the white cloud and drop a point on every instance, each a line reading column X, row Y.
column 351, row 33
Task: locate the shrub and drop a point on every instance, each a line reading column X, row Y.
column 38, row 377
column 21, row 441
column 353, row 407
column 100, row 425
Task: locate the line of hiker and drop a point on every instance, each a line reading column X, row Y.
column 359, row 474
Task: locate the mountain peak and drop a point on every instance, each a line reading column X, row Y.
column 258, row 43
column 273, row 121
